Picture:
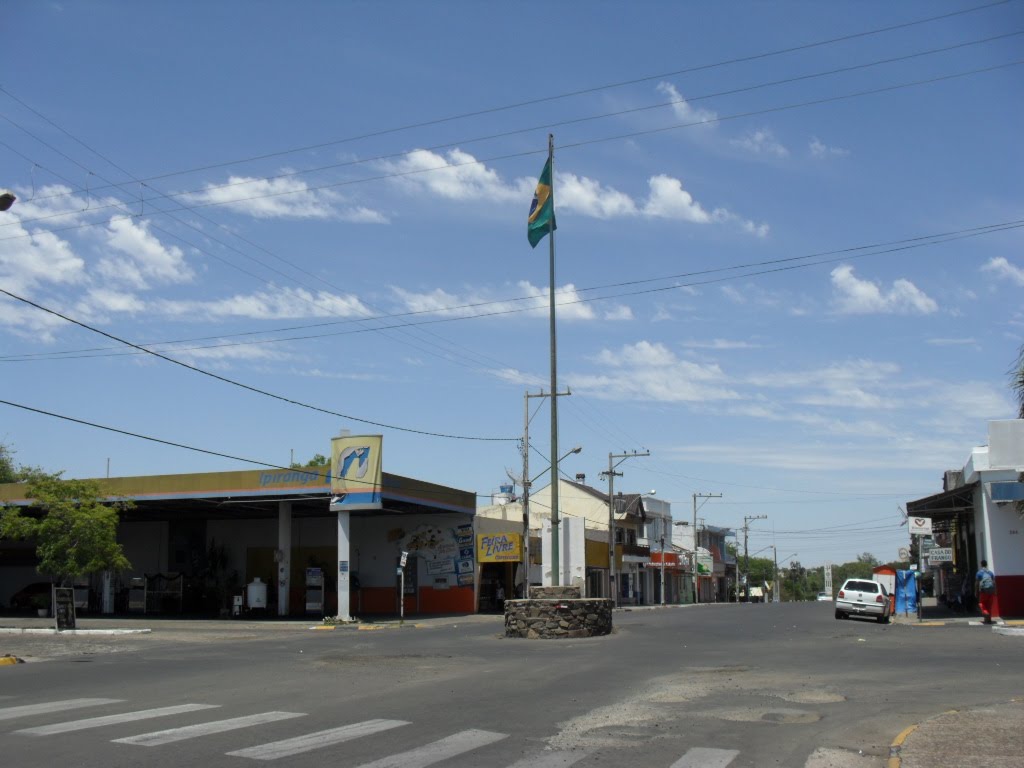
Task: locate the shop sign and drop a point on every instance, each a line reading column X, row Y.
column 435, row 567
column 356, row 473
column 705, row 563
column 920, row 526
column 499, row 547
column 941, row 555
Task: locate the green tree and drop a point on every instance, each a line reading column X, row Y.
column 10, row 470
column 1017, row 381
column 868, row 559
column 74, row 531
column 318, row 460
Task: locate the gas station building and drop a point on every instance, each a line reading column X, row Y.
column 282, row 540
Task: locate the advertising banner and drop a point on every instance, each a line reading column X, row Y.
column 705, row 563
column 499, row 547
column 356, row 472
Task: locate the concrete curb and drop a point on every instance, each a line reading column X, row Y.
column 895, row 760
column 36, row 631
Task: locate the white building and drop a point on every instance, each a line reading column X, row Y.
column 977, row 517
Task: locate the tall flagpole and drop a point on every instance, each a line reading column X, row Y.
column 555, row 565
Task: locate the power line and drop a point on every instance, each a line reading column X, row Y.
column 578, row 120
column 529, row 153
column 845, row 253
column 184, row 446
column 584, row 91
column 248, row 387
column 311, row 300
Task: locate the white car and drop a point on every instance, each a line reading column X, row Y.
column 824, row 597
column 863, row 597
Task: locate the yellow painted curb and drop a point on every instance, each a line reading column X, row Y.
column 369, row 628
column 930, row 624
column 897, row 745
column 894, row 749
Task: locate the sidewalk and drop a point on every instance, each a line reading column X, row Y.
column 138, row 624
column 991, row 736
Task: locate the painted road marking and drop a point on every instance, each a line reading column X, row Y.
column 552, row 759
column 435, row 752
column 318, row 740
column 9, row 713
column 126, row 717
column 699, row 757
column 202, row 729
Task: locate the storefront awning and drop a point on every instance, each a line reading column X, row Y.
column 945, row 505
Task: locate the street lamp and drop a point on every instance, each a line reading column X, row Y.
column 7, row 199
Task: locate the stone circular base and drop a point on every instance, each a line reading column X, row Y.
column 556, row 618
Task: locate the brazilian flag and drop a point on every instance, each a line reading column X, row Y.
column 542, row 209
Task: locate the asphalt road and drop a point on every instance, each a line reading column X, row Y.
column 714, row 685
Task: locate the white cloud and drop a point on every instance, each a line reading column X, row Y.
column 32, row 258
column 534, row 301
column 61, row 207
column 143, row 258
column 820, row 150
column 519, row 378
column 460, row 176
column 682, row 108
column 855, row 296
column 952, row 342
column 1002, row 268
column 282, row 198
column 761, row 142
column 648, row 371
column 621, row 312
column 282, row 303
column 849, row 384
column 723, row 344
column 668, row 200
column 107, row 300
column 588, row 197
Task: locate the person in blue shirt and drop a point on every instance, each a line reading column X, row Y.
column 985, row 588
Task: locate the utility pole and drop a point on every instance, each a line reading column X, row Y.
column 611, row 475
column 662, row 561
column 746, row 553
column 776, row 597
column 696, row 545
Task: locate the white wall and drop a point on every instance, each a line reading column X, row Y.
column 572, row 554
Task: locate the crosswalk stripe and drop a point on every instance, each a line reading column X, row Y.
column 311, row 741
column 552, row 759
column 202, row 729
column 701, row 757
column 126, row 717
column 453, row 745
column 26, row 710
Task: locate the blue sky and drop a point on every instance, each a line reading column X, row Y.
column 276, row 190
